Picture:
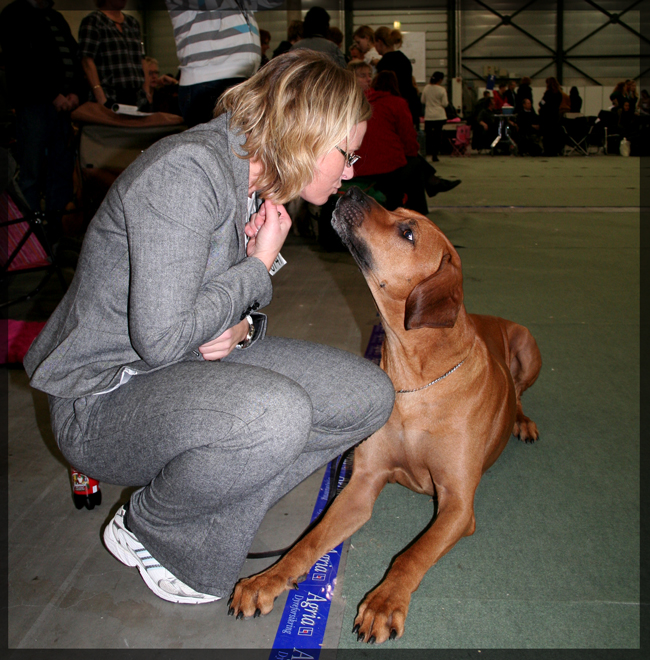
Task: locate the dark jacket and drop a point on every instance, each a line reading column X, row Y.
column 526, row 120
column 549, row 107
column 400, row 65
column 34, row 63
column 523, row 92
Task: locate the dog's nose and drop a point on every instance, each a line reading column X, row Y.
column 356, row 194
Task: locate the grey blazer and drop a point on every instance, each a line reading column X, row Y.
column 163, row 268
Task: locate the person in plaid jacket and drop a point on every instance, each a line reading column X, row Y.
column 110, row 46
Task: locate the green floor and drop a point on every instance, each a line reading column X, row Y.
column 554, row 562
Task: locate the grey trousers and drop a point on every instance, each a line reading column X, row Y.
column 215, row 444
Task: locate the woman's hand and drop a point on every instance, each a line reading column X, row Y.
column 225, row 343
column 267, row 230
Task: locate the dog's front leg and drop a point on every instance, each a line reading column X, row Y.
column 383, row 611
column 255, row 595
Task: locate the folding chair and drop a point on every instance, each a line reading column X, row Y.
column 24, row 245
column 461, row 143
column 576, row 131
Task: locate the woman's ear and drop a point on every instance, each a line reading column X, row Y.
column 436, row 300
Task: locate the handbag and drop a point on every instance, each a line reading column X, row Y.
column 450, row 111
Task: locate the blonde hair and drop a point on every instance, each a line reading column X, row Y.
column 294, row 110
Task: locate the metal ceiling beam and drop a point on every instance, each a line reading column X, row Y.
column 478, row 75
column 506, row 19
column 560, row 56
column 580, row 71
column 616, row 18
column 542, row 69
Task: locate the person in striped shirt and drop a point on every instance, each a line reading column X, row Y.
column 218, row 45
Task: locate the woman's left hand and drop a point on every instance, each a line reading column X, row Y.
column 224, row 344
column 266, row 231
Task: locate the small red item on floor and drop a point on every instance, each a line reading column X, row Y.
column 20, row 335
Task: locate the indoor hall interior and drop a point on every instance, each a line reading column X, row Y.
column 551, row 243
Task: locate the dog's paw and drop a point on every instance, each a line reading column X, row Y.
column 525, row 429
column 255, row 595
column 381, row 615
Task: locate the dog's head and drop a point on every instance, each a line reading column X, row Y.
column 404, row 257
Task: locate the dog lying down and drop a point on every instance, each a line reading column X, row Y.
column 458, row 378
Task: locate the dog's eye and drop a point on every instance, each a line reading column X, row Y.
column 407, row 234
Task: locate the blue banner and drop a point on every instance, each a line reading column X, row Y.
column 304, row 619
column 302, row 627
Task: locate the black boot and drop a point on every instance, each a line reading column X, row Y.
column 437, row 185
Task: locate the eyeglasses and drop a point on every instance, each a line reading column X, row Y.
column 350, row 158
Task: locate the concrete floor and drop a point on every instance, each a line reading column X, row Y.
column 67, row 592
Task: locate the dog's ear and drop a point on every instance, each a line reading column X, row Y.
column 436, row 300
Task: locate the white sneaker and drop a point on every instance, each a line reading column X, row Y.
column 123, row 545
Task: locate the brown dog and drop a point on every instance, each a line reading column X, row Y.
column 458, row 379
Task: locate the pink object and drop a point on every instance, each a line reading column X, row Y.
column 461, row 142
column 455, row 120
column 20, row 335
column 32, row 254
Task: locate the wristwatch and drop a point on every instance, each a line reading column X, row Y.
column 248, row 339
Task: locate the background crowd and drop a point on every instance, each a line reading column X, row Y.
column 105, row 64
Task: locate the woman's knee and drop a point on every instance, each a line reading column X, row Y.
column 361, row 403
column 379, row 398
column 287, row 414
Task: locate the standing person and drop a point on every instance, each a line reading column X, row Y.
column 314, row 36
column 575, row 99
column 549, row 117
column 156, row 362
column 617, row 96
column 45, row 83
column 524, row 91
column 364, row 38
column 630, row 94
column 389, row 142
column 265, row 44
column 218, row 45
column 110, row 46
column 395, row 61
column 390, row 150
column 294, row 34
column 434, row 98
column 511, row 94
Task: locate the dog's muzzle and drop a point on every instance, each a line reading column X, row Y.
column 350, row 211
